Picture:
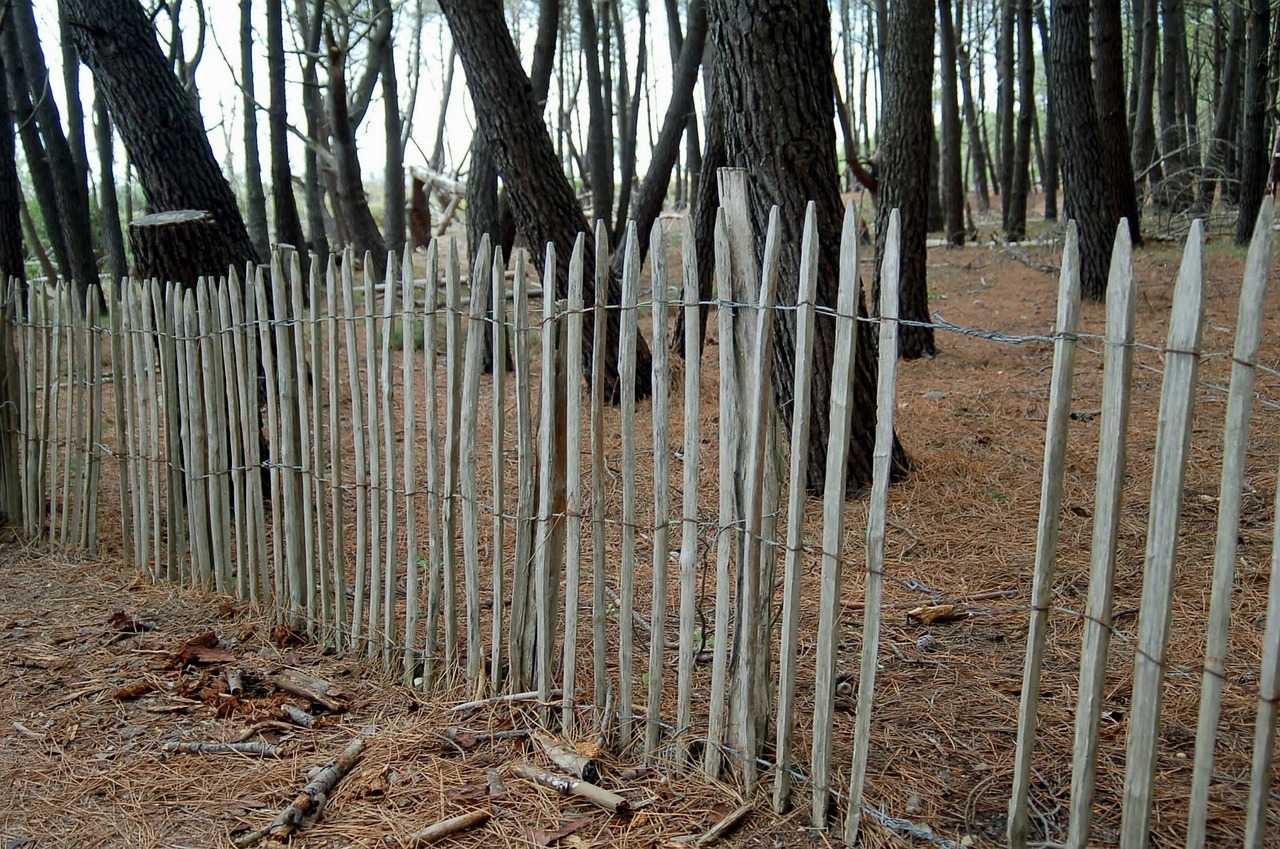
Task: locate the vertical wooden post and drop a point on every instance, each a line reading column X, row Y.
column 661, row 412
column 213, row 405
column 372, row 412
column 806, row 295
column 840, row 416
column 319, row 462
column 357, row 436
column 1235, row 443
column 547, row 559
column 1177, row 400
column 305, row 471
column 599, row 606
column 470, row 417
column 1055, row 450
column 881, row 469
column 389, row 580
column 453, row 380
column 244, row 444
column 409, row 377
column 689, row 466
column 497, row 462
column 289, row 437
column 627, row 390
column 573, row 480
column 197, row 446
column 336, row 478
column 270, row 359
column 429, row 643
column 518, row 652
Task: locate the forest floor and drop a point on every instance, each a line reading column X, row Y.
column 80, row 767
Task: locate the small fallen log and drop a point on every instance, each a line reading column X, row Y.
column 235, row 681
column 726, row 824
column 568, row 759
column 310, row 799
column 315, row 690
column 569, row 786
column 510, row 698
column 297, row 716
column 213, row 747
column 448, row 827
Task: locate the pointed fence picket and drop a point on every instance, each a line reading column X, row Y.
column 339, row 432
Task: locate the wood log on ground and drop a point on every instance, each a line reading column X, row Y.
column 510, row 698
column 569, row 786
column 315, row 690
column 297, row 715
column 568, row 759
column 177, row 246
column 214, row 747
column 448, row 827
column 726, row 824
column 310, row 799
column 235, row 681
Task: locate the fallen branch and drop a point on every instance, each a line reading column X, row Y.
column 446, row 828
column 569, row 760
column 727, row 823
column 569, row 786
column 510, row 698
column 213, row 747
column 315, row 690
column 297, row 716
column 310, row 799
column 235, row 682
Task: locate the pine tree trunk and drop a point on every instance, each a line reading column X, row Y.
column 976, row 149
column 1175, row 189
column 599, row 160
column 627, row 154
column 1108, row 71
column 906, row 139
column 542, row 201
column 1089, row 201
column 112, row 238
column 68, row 179
column 317, row 127
column 1253, row 152
column 1020, row 185
column 1224, row 122
column 1051, row 166
column 288, row 225
column 12, row 259
column 1005, row 107
column 1143, row 126
column 777, row 115
column 364, row 234
column 952, row 179
column 255, row 197
column 161, row 129
column 393, row 200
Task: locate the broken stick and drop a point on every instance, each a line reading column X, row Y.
column 235, row 681
column 310, row 799
column 569, row 786
column 297, row 715
column 510, row 698
column 445, row 828
column 213, row 747
column 315, row 690
column 568, row 759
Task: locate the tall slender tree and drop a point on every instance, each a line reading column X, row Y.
column 1088, row 199
column 952, row 178
column 1253, row 152
column 255, row 197
column 1015, row 222
column 284, row 205
column 12, row 260
column 1108, row 73
column 1227, row 112
column 1005, row 106
column 112, row 238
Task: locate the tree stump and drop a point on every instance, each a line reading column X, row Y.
column 177, row 246
column 419, row 214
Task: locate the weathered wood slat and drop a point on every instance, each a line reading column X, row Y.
column 661, row 410
column 548, row 556
column 453, row 419
column 197, row 446
column 430, row 644
column 289, row 522
column 253, row 546
column 497, row 464
column 175, row 503
column 842, row 375
column 253, row 432
column 1264, row 734
column 387, row 624
column 627, row 391
column 235, row 418
column 1108, row 498
column 1046, row 562
column 573, row 479
column 470, row 417
column 1177, row 400
column 358, row 440
column 214, row 413
column 802, row 394
column 373, row 415
column 304, row 384
column 95, row 428
column 691, row 448
column 338, row 546
column 408, row 380
column 599, row 606
column 881, row 470
column 321, row 469
column 270, row 359
column 519, row 653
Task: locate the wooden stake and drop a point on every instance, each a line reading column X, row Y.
column 661, row 383
column 408, row 377
column 389, row 581
column 430, row 644
column 627, row 389
column 470, row 417
column 336, row 479
column 573, row 480
column 519, row 654
column 548, row 557
column 599, row 609
column 453, row 381
column 357, row 435
column 497, row 462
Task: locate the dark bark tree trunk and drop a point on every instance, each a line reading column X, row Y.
column 1175, row 188
column 976, row 148
column 599, row 160
column 952, row 178
column 393, row 199
column 1005, row 106
column 112, row 239
column 285, row 206
column 255, row 197
column 693, row 146
column 68, row 180
column 905, row 141
column 317, row 127
column 627, row 158
column 1228, row 109
column 365, row 236
column 1253, row 152
column 1051, row 167
column 12, row 259
column 75, row 107
column 159, row 124
column 37, row 160
column 1108, row 74
column 1144, row 139
column 777, row 108
column 1089, row 201
column 542, row 201
column 1137, row 17
column 934, row 222
column 1020, row 184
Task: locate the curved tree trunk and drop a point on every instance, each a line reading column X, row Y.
column 112, row 239
column 599, row 160
column 68, row 179
column 905, row 139
column 285, row 205
column 365, row 236
column 1089, row 201
column 393, row 199
column 777, row 114
column 542, row 201
column 317, row 128
column 158, row 122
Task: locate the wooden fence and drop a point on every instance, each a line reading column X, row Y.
column 363, row 507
